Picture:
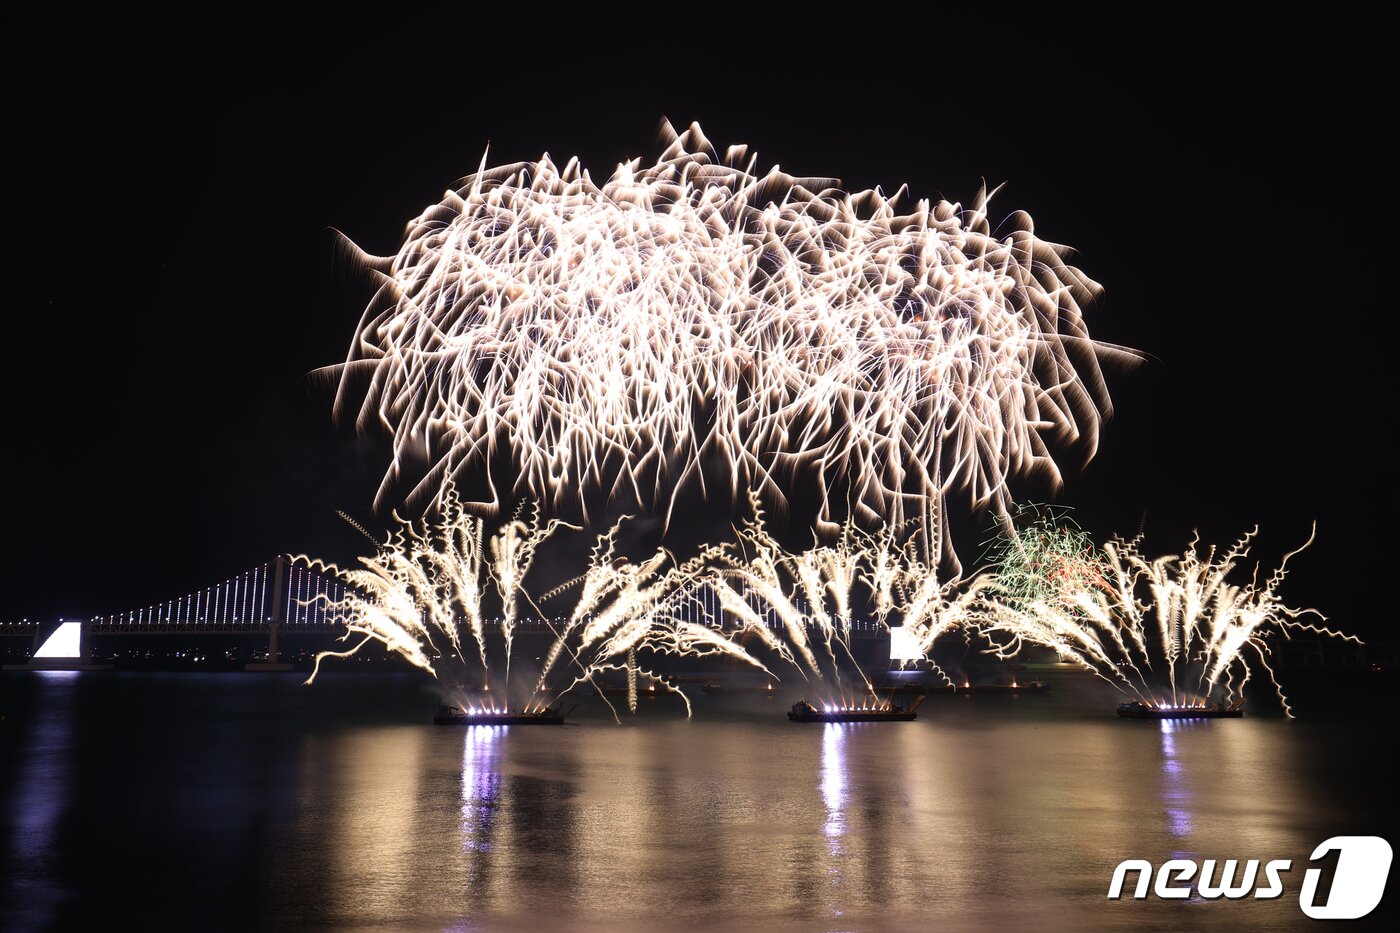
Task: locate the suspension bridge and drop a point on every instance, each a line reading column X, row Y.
column 276, row 596
column 286, row 595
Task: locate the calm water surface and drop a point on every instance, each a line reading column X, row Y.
column 249, row 801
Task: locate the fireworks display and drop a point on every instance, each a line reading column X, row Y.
column 425, row 596
column 428, row 591
column 1172, row 631
column 702, row 322
column 816, row 596
column 1047, row 558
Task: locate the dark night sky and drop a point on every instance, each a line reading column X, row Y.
column 173, row 278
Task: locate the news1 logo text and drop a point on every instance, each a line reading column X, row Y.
column 1358, row 878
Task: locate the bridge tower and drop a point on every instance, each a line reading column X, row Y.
column 277, row 615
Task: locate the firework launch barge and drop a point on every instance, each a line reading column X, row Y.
column 1140, row 710
column 806, row 712
column 456, row 716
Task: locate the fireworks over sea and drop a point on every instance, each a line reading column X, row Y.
column 704, row 323
column 701, row 322
column 1177, row 630
column 427, row 592
column 445, row 594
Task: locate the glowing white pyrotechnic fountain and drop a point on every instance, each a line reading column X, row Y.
column 1171, row 632
column 422, row 595
column 812, row 598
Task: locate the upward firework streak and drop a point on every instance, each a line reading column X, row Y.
column 616, row 337
column 812, row 594
column 424, row 595
column 1170, row 631
column 428, row 584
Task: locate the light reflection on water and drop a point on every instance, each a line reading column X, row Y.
column 261, row 804
column 833, row 784
column 1176, row 791
column 41, row 796
column 481, row 783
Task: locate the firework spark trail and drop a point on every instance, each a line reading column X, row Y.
column 904, row 584
column 459, row 562
column 1047, row 556
column 750, row 622
column 1176, row 619
column 428, row 580
column 641, row 615
column 761, row 567
column 633, row 671
column 899, row 579
column 1046, row 567
column 679, row 637
column 595, row 585
column 513, row 552
column 787, row 330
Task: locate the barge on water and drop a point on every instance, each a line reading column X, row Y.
column 806, row 712
column 456, row 716
column 1139, row 710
